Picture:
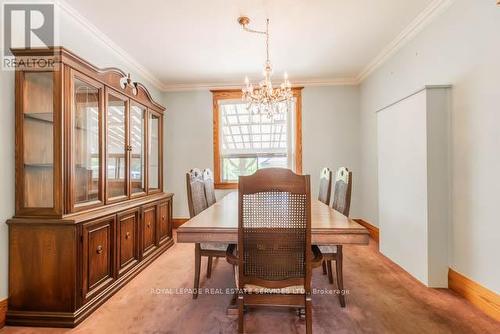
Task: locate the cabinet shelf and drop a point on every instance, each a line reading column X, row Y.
column 77, row 165
column 39, row 165
column 84, row 129
column 40, row 117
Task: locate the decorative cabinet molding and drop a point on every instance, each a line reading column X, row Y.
column 90, row 207
column 149, row 228
column 127, row 240
column 98, row 239
column 164, row 221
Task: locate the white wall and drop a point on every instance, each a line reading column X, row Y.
column 6, row 171
column 330, row 137
column 461, row 47
column 80, row 40
column 188, row 142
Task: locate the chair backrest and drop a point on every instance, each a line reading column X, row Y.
column 274, row 229
column 208, row 180
column 197, row 201
column 342, row 191
column 325, row 186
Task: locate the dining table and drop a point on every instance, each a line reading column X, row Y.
column 219, row 224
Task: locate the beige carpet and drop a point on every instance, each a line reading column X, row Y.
column 382, row 299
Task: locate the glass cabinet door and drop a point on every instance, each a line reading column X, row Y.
column 38, row 139
column 86, row 125
column 137, row 148
column 154, row 130
column 116, row 149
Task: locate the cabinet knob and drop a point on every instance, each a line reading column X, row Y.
column 148, row 225
column 99, row 249
column 127, row 235
column 163, row 217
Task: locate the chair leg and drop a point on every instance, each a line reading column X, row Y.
column 209, row 267
column 240, row 314
column 308, row 314
column 323, row 264
column 340, row 279
column 197, row 264
column 330, row 274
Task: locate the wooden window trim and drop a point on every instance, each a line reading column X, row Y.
column 234, row 94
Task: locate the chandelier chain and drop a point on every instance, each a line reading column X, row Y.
column 267, row 40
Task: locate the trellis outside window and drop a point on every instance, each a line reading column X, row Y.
column 245, row 141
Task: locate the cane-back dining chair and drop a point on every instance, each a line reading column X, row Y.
column 197, row 202
column 273, row 260
column 341, row 203
column 325, row 186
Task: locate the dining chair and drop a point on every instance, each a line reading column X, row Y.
column 208, row 180
column 325, row 192
column 325, row 186
column 197, row 202
column 341, row 203
column 273, row 259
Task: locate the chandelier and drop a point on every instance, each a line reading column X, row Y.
column 265, row 99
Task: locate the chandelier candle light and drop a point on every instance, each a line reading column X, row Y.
column 265, row 99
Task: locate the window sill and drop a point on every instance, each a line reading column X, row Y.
column 226, row 185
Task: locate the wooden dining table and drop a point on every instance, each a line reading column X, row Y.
column 219, row 224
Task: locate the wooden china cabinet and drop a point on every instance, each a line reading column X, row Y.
column 90, row 209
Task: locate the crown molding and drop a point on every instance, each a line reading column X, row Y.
column 237, row 85
column 201, row 86
column 433, row 10
column 346, row 81
column 117, row 50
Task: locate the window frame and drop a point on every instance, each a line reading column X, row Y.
column 235, row 94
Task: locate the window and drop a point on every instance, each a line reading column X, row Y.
column 245, row 142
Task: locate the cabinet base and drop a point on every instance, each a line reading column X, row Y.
column 72, row 319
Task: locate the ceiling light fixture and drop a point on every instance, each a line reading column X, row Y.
column 265, row 99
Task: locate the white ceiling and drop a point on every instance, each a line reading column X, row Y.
column 199, row 42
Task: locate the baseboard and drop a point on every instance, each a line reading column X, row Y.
column 3, row 312
column 483, row 298
column 179, row 221
column 372, row 229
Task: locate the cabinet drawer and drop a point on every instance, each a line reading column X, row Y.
column 149, row 218
column 164, row 227
column 98, row 255
column 128, row 240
